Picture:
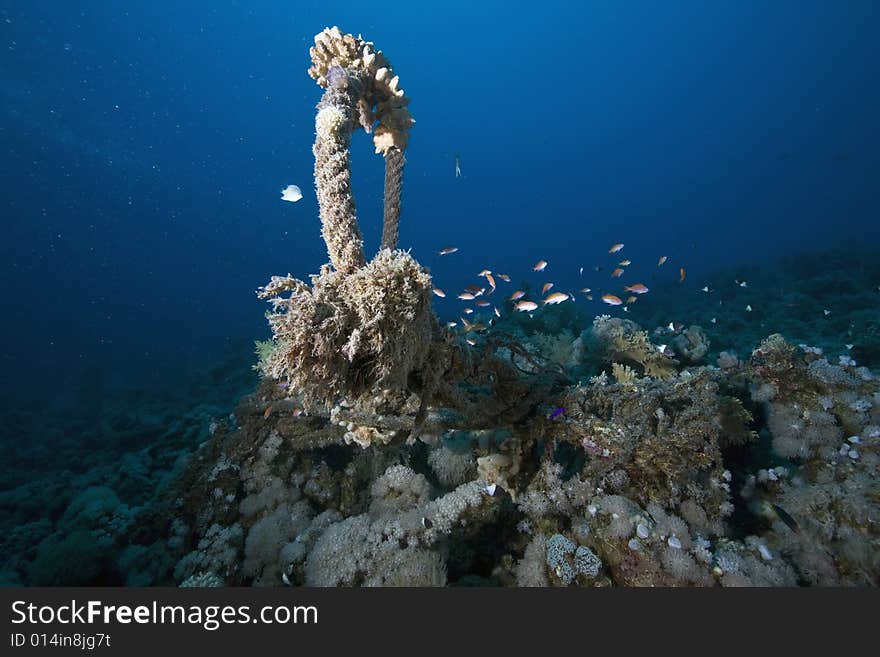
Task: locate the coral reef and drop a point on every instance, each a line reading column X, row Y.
column 685, row 480
column 381, row 449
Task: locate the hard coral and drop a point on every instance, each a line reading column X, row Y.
column 381, row 99
column 621, row 340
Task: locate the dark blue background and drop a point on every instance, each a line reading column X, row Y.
column 145, row 145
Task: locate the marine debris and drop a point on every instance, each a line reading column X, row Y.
column 361, row 343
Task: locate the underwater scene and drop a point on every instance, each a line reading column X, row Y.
column 461, row 294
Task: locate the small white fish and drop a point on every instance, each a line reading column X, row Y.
column 849, row 346
column 626, row 309
column 705, row 289
column 749, row 308
column 827, row 312
column 671, row 326
column 447, row 250
column 291, row 193
column 661, row 348
column 490, row 489
column 713, row 320
column 742, row 283
column 497, row 312
column 451, row 324
column 582, row 271
column 440, row 293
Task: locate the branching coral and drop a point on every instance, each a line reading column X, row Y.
column 621, row 340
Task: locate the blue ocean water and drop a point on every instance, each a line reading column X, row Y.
column 145, row 145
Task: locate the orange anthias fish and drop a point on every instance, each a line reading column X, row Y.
column 541, row 265
column 504, row 277
column 526, row 306
column 482, row 303
column 447, row 250
column 615, row 248
column 638, row 288
column 616, row 273
column 661, row 260
column 466, row 296
column 546, row 287
column 440, row 293
column 485, row 272
column 631, row 299
column 473, row 289
column 612, row 300
column 681, row 275
column 519, row 294
column 556, row 297
column 491, row 282
column 268, row 411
